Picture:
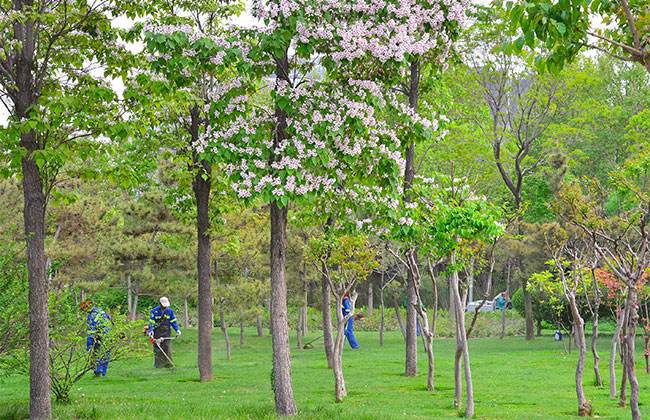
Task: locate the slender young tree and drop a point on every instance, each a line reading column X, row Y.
column 345, row 261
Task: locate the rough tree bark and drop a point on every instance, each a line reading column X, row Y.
column 284, row 401
column 26, row 95
column 411, row 359
column 201, row 186
column 282, row 387
column 34, row 220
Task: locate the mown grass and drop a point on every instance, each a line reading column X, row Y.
column 513, row 379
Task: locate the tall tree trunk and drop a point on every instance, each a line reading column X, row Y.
column 584, row 407
column 34, row 221
column 463, row 345
column 201, row 185
column 260, row 330
column 539, row 327
column 382, row 316
column 186, row 313
column 630, row 345
column 371, row 303
column 411, row 359
column 326, row 309
column 34, row 202
column 612, row 355
column 503, row 322
column 284, row 401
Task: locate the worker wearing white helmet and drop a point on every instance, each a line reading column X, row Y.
column 161, row 321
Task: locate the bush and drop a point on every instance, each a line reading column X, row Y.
column 69, row 359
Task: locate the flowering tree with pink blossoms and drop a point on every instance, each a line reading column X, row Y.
column 189, row 72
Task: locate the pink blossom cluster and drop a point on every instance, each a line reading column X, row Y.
column 323, row 145
column 383, row 29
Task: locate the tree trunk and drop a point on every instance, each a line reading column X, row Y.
column 284, row 401
column 299, row 334
column 584, row 407
column 186, row 314
column 136, row 298
column 241, row 334
column 458, row 381
column 594, row 348
column 411, row 365
column 594, row 330
column 201, row 186
column 339, row 381
column 463, row 345
column 411, row 359
column 630, row 344
column 40, row 406
column 224, row 330
column 382, row 317
column 400, row 322
column 129, row 299
column 326, row 309
column 371, row 303
column 304, row 327
column 612, row 355
column 539, row 327
column 34, row 202
column 260, row 330
column 528, row 311
column 622, row 396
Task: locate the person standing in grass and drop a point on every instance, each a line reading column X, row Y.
column 99, row 325
column 161, row 322
column 349, row 328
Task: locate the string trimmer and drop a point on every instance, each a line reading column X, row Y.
column 309, row 344
column 157, row 342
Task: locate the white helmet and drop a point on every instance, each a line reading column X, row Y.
column 164, row 302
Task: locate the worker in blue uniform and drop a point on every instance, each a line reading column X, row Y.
column 98, row 325
column 161, row 322
column 349, row 328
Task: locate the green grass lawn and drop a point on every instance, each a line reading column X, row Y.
column 513, row 379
